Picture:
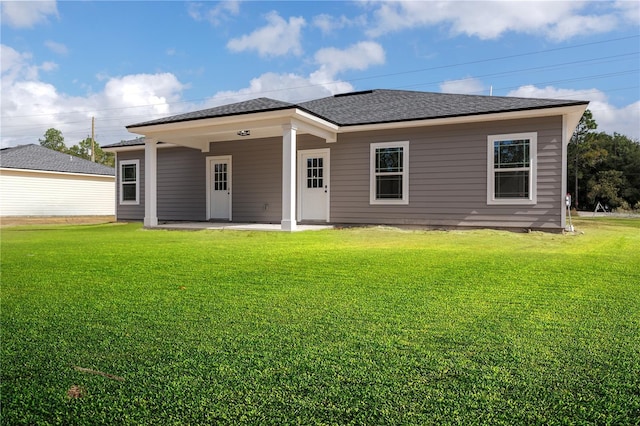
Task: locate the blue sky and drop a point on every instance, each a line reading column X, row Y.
column 126, row 62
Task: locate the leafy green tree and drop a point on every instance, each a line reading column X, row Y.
column 610, row 171
column 83, row 150
column 603, row 168
column 576, row 150
column 605, row 187
column 53, row 139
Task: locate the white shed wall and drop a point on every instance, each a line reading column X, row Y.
column 33, row 193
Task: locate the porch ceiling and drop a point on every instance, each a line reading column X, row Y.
column 199, row 133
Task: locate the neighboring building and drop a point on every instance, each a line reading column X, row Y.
column 38, row 181
column 372, row 157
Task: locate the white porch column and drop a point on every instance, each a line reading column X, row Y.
column 150, row 183
column 288, row 178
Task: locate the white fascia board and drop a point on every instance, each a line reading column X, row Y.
column 571, row 120
column 231, row 121
column 513, row 115
column 52, row 172
column 116, row 149
column 309, row 123
column 262, row 124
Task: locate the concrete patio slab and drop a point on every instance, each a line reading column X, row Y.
column 237, row 226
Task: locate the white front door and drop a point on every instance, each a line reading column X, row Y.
column 313, row 185
column 219, row 188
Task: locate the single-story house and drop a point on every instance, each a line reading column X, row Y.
column 370, row 157
column 38, row 181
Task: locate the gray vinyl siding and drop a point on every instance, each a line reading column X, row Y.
column 256, row 178
column 181, row 185
column 447, row 177
column 182, row 192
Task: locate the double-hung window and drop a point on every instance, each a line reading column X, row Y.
column 511, row 168
column 129, row 182
column 389, row 176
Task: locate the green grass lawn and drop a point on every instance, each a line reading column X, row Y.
column 353, row 326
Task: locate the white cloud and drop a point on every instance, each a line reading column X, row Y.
column 17, row 66
column 56, row 47
column 320, row 83
column 556, row 20
column 328, row 23
column 215, row 15
column 629, row 10
column 359, row 56
column 285, row 87
column 26, row 14
column 279, row 37
column 153, row 92
column 30, row 106
column 624, row 120
column 464, row 86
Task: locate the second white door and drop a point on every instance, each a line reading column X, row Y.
column 313, row 185
column 220, row 188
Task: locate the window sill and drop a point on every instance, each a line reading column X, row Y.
column 388, row 202
column 512, row 202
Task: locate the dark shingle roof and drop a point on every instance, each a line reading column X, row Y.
column 36, row 157
column 246, row 107
column 379, row 106
column 130, row 142
column 386, row 106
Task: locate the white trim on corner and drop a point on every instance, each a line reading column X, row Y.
column 533, row 169
column 119, row 180
column 405, row 173
column 211, row 158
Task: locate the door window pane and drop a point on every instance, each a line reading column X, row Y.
column 220, row 177
column 314, row 173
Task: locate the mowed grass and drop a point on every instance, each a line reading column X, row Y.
column 353, row 326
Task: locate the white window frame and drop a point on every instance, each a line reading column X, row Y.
column 121, row 183
column 405, row 173
column 532, row 169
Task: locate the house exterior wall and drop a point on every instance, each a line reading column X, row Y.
column 35, row 193
column 447, row 178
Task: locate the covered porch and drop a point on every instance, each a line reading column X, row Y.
column 202, row 133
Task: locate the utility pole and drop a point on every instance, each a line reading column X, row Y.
column 93, row 139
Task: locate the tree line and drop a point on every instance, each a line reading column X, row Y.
column 603, row 168
column 53, row 139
